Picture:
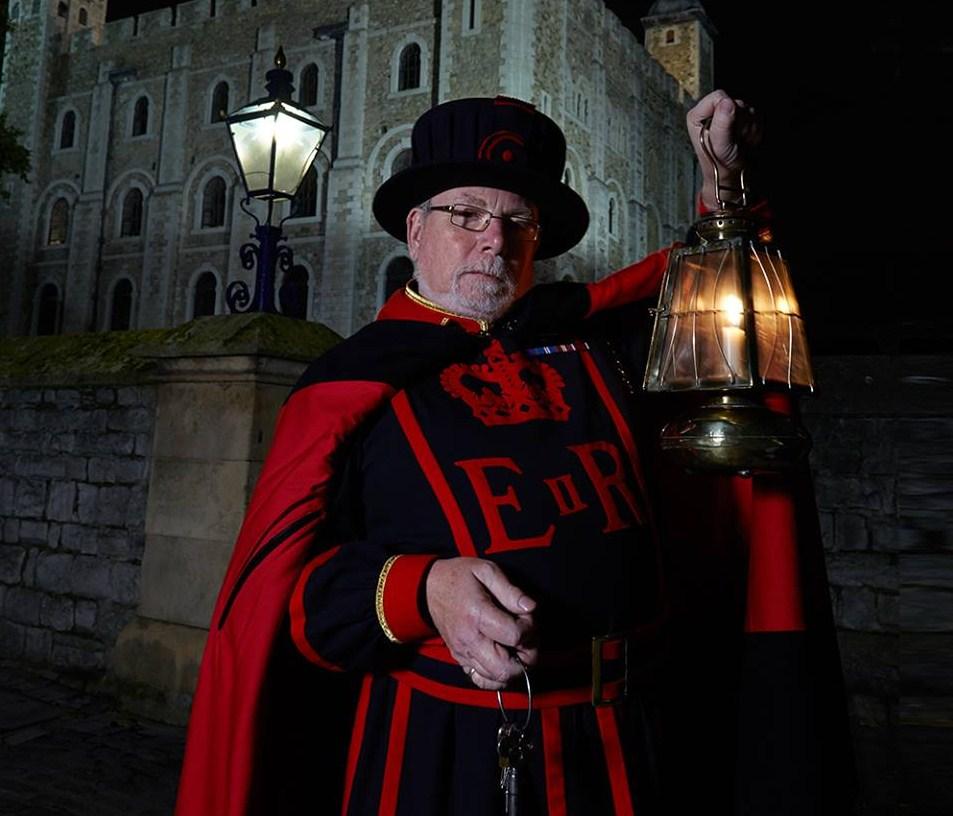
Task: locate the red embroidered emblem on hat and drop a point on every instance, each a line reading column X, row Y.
column 502, row 145
column 508, row 388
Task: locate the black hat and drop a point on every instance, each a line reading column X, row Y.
column 503, row 143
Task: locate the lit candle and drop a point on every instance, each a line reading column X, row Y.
column 732, row 335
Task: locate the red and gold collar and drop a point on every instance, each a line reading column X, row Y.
column 406, row 304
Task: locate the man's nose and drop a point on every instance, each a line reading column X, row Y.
column 494, row 236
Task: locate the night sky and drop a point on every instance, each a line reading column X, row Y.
column 852, row 161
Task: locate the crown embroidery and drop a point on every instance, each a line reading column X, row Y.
column 507, row 389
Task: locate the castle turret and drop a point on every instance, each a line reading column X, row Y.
column 679, row 36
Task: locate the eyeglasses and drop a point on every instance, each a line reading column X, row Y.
column 476, row 219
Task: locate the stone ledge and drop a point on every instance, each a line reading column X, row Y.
column 117, row 358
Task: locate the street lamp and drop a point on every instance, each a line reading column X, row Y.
column 728, row 324
column 275, row 142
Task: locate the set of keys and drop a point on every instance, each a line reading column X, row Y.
column 513, row 747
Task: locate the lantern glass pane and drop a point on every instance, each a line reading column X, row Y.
column 700, row 340
column 782, row 341
column 297, row 139
column 252, row 138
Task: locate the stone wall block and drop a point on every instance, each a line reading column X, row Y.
column 34, row 532
column 79, row 539
column 63, row 397
column 926, row 663
column 30, row 498
column 870, row 662
column 12, row 559
column 10, row 531
column 114, row 442
column 112, row 506
column 12, row 639
column 134, row 420
column 72, row 652
column 927, row 570
column 874, row 570
column 924, row 532
column 85, row 616
column 86, row 501
column 826, row 519
column 856, row 608
column 143, row 444
column 888, row 610
column 8, row 489
column 926, row 610
column 131, row 395
column 53, row 572
column 851, row 531
column 925, row 492
column 37, row 646
column 29, row 568
column 56, row 612
column 22, row 605
column 90, row 577
column 61, row 504
column 105, row 396
column 125, row 583
column 41, row 466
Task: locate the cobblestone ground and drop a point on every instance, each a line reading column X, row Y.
column 66, row 753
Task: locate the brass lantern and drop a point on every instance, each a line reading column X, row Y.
column 275, row 140
column 728, row 324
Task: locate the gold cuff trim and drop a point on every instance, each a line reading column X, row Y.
column 379, row 598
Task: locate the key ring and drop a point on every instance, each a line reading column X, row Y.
column 529, row 698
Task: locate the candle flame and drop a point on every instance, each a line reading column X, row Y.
column 733, row 309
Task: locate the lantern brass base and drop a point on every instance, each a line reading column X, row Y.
column 729, row 434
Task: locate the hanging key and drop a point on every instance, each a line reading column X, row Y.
column 512, row 747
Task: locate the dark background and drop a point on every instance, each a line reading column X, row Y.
column 855, row 161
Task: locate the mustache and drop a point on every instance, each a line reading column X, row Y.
column 495, row 267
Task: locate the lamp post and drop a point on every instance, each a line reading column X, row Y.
column 275, row 142
column 728, row 324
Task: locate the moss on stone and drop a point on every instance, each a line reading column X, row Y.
column 129, row 356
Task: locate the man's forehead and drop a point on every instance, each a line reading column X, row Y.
column 484, row 196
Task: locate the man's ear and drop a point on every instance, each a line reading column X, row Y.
column 415, row 225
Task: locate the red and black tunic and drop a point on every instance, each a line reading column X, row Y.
column 522, row 453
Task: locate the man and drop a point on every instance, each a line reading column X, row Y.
column 453, row 494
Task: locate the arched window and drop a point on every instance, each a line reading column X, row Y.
column 48, row 309
column 140, row 117
column 83, row 16
column 120, row 313
column 59, row 223
column 308, row 92
column 131, row 214
column 408, row 74
column 399, row 271
column 62, row 9
column 213, row 203
column 293, row 293
column 205, row 295
column 612, row 216
column 68, row 130
column 219, row 102
column 14, row 12
column 567, row 176
column 305, row 202
column 401, row 161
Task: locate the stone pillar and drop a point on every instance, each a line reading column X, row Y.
column 215, row 414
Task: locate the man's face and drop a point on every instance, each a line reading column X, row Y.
column 478, row 274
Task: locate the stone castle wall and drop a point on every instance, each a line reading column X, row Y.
column 75, row 465
column 622, row 113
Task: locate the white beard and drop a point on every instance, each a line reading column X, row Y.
column 484, row 296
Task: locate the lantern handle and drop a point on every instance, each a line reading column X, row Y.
column 705, row 140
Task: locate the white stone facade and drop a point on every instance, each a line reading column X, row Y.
column 622, row 114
